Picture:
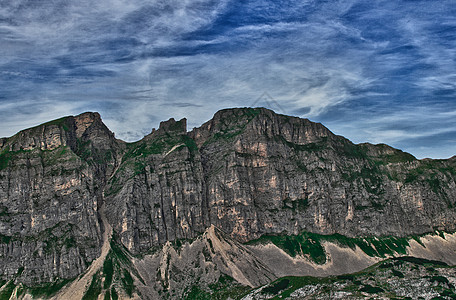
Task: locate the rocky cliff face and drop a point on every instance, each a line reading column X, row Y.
column 251, row 172
column 247, row 172
column 51, row 180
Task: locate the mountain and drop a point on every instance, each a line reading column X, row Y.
column 248, row 197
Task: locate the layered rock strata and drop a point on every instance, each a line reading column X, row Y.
column 247, row 172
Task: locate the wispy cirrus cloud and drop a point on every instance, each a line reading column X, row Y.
column 365, row 68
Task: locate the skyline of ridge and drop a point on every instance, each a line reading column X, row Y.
column 188, row 130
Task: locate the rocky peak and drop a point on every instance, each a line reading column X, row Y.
column 171, row 127
column 85, row 120
column 61, row 132
column 220, row 124
column 259, row 122
column 88, row 126
column 174, row 126
column 293, row 129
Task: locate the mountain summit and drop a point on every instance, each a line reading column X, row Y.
column 248, row 197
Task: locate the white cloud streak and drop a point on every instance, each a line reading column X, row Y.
column 139, row 62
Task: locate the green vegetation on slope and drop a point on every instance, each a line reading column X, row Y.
column 116, row 273
column 396, row 278
column 224, row 288
column 47, row 290
column 94, row 289
column 310, row 245
column 7, row 290
column 7, row 156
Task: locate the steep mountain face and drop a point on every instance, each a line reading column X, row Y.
column 252, row 172
column 248, row 173
column 51, row 180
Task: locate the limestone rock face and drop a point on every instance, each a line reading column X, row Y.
column 51, row 179
column 247, row 172
column 269, row 173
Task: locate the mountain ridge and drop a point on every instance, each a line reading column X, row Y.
column 248, row 172
column 3, row 140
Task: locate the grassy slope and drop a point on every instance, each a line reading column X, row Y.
column 396, row 278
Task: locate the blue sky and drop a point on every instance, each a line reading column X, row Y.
column 372, row 71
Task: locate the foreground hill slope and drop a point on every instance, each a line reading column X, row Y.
column 69, row 191
column 397, row 278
